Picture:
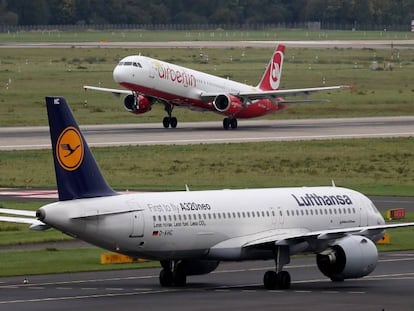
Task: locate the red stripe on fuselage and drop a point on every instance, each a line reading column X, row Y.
column 257, row 109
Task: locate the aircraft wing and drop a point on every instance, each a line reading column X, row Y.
column 30, row 218
column 293, row 236
column 253, row 95
column 116, row 92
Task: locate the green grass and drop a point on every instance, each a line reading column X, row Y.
column 28, row 75
column 199, row 35
column 373, row 166
column 49, row 261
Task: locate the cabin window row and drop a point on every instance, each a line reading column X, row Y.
column 209, row 216
column 321, row 211
column 257, row 214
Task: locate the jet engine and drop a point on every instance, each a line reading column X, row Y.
column 227, row 104
column 350, row 257
column 137, row 104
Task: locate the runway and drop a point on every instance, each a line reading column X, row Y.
column 21, row 138
column 234, row 286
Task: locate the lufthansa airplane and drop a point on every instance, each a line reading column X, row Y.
column 147, row 80
column 190, row 232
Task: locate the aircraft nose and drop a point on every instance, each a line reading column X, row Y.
column 117, row 74
column 40, row 214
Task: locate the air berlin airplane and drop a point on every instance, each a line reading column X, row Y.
column 147, row 80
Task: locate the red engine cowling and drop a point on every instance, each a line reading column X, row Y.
column 227, row 104
column 137, row 104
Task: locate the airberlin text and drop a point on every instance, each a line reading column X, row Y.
column 176, row 75
column 312, row 199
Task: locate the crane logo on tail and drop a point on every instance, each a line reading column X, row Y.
column 69, row 149
column 276, row 70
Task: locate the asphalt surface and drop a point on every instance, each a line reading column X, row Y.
column 233, row 286
column 20, row 138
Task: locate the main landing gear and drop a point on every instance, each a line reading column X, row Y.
column 229, row 123
column 170, row 120
column 172, row 273
column 278, row 279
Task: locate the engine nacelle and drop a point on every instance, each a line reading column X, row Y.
column 351, row 257
column 137, row 104
column 227, row 104
column 198, row 267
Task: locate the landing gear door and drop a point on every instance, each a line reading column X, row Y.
column 138, row 224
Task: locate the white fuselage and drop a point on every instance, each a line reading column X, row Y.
column 192, row 224
column 177, row 84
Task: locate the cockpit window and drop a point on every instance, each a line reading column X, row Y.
column 374, row 208
column 135, row 64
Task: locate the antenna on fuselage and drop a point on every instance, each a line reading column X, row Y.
column 333, row 183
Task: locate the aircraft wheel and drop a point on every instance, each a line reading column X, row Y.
column 179, row 276
column 270, row 280
column 173, row 122
column 166, row 122
column 233, row 123
column 226, row 123
column 166, row 278
column 283, row 280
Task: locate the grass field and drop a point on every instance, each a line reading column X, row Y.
column 198, row 35
column 373, row 166
column 27, row 75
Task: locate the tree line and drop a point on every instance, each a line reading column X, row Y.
column 188, row 12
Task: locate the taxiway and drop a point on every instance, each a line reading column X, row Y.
column 20, row 138
column 234, row 286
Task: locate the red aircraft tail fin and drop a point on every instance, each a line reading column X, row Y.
column 271, row 78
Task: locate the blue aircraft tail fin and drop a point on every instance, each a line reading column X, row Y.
column 77, row 173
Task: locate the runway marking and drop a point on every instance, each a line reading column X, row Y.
column 247, row 139
column 223, row 140
column 114, row 288
column 396, row 260
column 397, row 276
column 46, row 299
column 82, row 281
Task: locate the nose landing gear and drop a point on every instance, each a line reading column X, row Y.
column 170, row 275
